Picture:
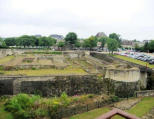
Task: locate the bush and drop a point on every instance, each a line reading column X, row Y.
column 56, row 53
column 1, row 68
column 114, row 98
column 33, row 68
column 90, row 95
column 4, row 98
column 21, row 106
column 64, row 99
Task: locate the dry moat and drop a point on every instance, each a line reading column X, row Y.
column 89, row 78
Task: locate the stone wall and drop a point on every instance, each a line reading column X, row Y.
column 6, row 85
column 51, row 85
column 126, row 89
column 72, row 85
column 6, row 52
column 125, row 75
column 145, row 93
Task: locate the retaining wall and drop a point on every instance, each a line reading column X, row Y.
column 72, row 85
column 145, row 93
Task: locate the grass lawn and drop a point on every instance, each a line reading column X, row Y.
column 91, row 114
column 140, row 109
column 6, row 59
column 3, row 113
column 42, row 72
column 134, row 61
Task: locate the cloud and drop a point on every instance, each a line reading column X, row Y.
column 132, row 19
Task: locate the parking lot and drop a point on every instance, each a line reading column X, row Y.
column 146, row 57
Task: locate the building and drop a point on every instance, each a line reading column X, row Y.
column 127, row 44
column 57, row 37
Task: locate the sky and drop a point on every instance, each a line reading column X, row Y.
column 132, row 19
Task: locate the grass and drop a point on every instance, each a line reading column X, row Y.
column 6, row 59
column 140, row 109
column 45, row 52
column 91, row 114
column 134, row 61
column 42, row 72
column 3, row 113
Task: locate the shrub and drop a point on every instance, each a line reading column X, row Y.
column 75, row 99
column 21, row 106
column 3, row 98
column 83, row 98
column 114, row 98
column 90, row 95
column 41, row 112
column 56, row 53
column 64, row 99
column 1, row 68
column 33, row 68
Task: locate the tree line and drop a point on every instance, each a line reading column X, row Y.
column 147, row 47
column 112, row 42
column 26, row 40
column 71, row 40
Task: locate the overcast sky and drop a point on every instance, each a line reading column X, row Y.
column 132, row 19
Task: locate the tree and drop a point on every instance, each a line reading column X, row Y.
column 103, row 41
column 71, row 38
column 46, row 41
column 116, row 37
column 146, row 47
column 112, row 45
column 11, row 41
column 2, row 43
column 77, row 44
column 151, row 46
column 26, row 40
column 61, row 45
column 90, row 42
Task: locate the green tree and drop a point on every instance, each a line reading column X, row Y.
column 46, row 41
column 11, row 41
column 146, row 47
column 2, row 43
column 116, row 37
column 71, row 38
column 77, row 44
column 90, row 42
column 61, row 44
column 103, row 41
column 112, row 45
column 26, row 40
column 151, row 46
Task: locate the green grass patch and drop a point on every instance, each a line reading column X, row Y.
column 134, row 61
column 6, row 59
column 45, row 52
column 4, row 114
column 43, row 72
column 91, row 114
column 140, row 109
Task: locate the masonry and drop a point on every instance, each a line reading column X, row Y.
column 50, row 85
column 144, row 93
column 72, row 85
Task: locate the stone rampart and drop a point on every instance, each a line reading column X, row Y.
column 145, row 93
column 72, row 85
